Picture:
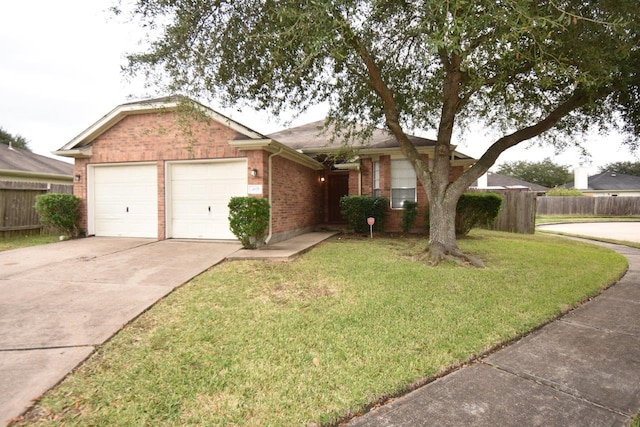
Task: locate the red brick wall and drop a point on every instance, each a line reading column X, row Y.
column 156, row 137
column 394, row 216
column 297, row 204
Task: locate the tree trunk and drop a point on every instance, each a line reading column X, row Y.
column 442, row 233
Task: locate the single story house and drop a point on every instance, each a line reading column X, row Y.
column 605, row 184
column 149, row 169
column 18, row 165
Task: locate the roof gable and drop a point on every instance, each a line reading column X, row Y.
column 166, row 104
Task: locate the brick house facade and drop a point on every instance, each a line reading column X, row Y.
column 148, row 169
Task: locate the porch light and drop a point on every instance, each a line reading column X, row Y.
column 77, row 177
column 254, row 172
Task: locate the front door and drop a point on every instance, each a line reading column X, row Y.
column 338, row 186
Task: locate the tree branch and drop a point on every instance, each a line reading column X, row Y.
column 578, row 99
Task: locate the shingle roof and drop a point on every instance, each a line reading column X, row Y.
column 25, row 161
column 313, row 135
column 611, row 181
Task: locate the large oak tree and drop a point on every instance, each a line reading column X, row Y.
column 524, row 68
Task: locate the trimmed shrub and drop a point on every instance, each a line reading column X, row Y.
column 409, row 215
column 60, row 211
column 356, row 210
column 249, row 219
column 473, row 210
column 564, row 192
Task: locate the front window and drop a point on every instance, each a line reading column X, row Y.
column 376, row 179
column 403, row 183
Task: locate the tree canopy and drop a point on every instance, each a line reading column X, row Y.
column 524, row 68
column 627, row 168
column 15, row 141
column 545, row 173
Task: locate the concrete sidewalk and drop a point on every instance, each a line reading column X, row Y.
column 581, row 370
column 286, row 250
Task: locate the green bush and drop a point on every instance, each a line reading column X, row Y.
column 60, row 211
column 564, row 192
column 356, row 209
column 409, row 215
column 473, row 210
column 249, row 219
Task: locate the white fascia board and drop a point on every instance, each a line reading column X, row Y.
column 39, row 175
column 274, row 147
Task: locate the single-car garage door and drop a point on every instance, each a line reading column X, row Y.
column 199, row 198
column 124, row 200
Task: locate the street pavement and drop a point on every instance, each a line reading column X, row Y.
column 629, row 231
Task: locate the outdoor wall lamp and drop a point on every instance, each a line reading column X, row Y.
column 77, row 177
column 254, row 172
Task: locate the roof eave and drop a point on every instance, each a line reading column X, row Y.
column 275, row 147
column 40, row 175
column 76, row 153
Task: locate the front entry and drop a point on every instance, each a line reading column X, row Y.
column 337, row 186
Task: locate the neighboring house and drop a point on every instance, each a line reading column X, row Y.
column 495, row 181
column 148, row 170
column 606, row 184
column 23, row 165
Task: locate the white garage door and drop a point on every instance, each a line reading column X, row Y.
column 125, row 201
column 200, row 193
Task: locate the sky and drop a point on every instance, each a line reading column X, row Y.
column 60, row 72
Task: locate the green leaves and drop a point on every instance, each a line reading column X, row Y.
column 249, row 219
column 61, row 211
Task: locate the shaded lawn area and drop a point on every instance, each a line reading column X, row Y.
column 257, row 343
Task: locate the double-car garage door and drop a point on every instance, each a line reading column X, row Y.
column 124, row 199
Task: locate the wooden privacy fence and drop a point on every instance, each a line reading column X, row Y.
column 18, row 216
column 518, row 213
column 582, row 205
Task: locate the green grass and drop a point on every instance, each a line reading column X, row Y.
column 256, row 343
column 8, row 243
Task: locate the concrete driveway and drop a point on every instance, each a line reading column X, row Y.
column 629, row 231
column 58, row 301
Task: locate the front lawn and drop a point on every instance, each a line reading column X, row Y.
column 8, row 243
column 309, row 342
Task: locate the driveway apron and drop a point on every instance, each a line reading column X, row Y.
column 59, row 301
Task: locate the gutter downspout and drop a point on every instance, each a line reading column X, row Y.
column 270, row 235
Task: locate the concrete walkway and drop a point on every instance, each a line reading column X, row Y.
column 59, row 301
column 581, row 370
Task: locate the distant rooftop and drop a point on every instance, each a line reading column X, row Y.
column 610, row 181
column 16, row 159
column 497, row 181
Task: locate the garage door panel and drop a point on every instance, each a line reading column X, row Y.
column 125, row 201
column 200, row 194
